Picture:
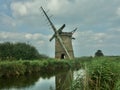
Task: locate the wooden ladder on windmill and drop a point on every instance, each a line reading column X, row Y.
column 58, row 33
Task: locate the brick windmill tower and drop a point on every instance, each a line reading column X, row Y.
column 63, row 41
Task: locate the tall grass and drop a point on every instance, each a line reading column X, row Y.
column 46, row 67
column 11, row 68
column 102, row 73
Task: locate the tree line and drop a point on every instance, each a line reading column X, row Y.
column 17, row 51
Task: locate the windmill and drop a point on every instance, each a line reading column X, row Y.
column 63, row 42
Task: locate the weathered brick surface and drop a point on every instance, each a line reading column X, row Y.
column 67, row 40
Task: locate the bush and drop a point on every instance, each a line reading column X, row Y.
column 19, row 51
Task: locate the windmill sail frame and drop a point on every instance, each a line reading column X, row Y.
column 57, row 33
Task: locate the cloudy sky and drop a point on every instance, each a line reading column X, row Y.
column 98, row 23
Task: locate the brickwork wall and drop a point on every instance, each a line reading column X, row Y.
column 66, row 37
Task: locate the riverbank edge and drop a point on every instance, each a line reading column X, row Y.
column 24, row 67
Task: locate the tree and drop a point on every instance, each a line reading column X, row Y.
column 25, row 51
column 5, row 50
column 99, row 53
column 18, row 51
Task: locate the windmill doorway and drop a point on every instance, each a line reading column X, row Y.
column 62, row 56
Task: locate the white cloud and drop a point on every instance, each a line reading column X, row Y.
column 26, row 8
column 11, row 36
column 118, row 11
column 99, row 36
column 114, row 30
column 88, row 42
column 19, row 8
column 28, row 36
column 88, row 38
column 98, row 22
column 40, row 42
column 22, row 37
column 58, row 6
column 35, row 36
column 76, row 12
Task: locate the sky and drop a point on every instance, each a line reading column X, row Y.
column 98, row 23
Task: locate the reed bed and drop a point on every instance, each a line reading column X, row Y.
column 24, row 67
column 101, row 73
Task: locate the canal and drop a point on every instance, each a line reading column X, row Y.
column 60, row 81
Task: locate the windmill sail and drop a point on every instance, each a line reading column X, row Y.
column 57, row 33
column 51, row 24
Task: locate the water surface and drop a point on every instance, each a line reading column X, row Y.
column 59, row 81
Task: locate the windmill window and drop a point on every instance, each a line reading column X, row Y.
column 62, row 56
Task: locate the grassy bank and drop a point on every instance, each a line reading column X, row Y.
column 50, row 66
column 101, row 73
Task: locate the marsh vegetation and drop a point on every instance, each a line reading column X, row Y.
column 101, row 73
